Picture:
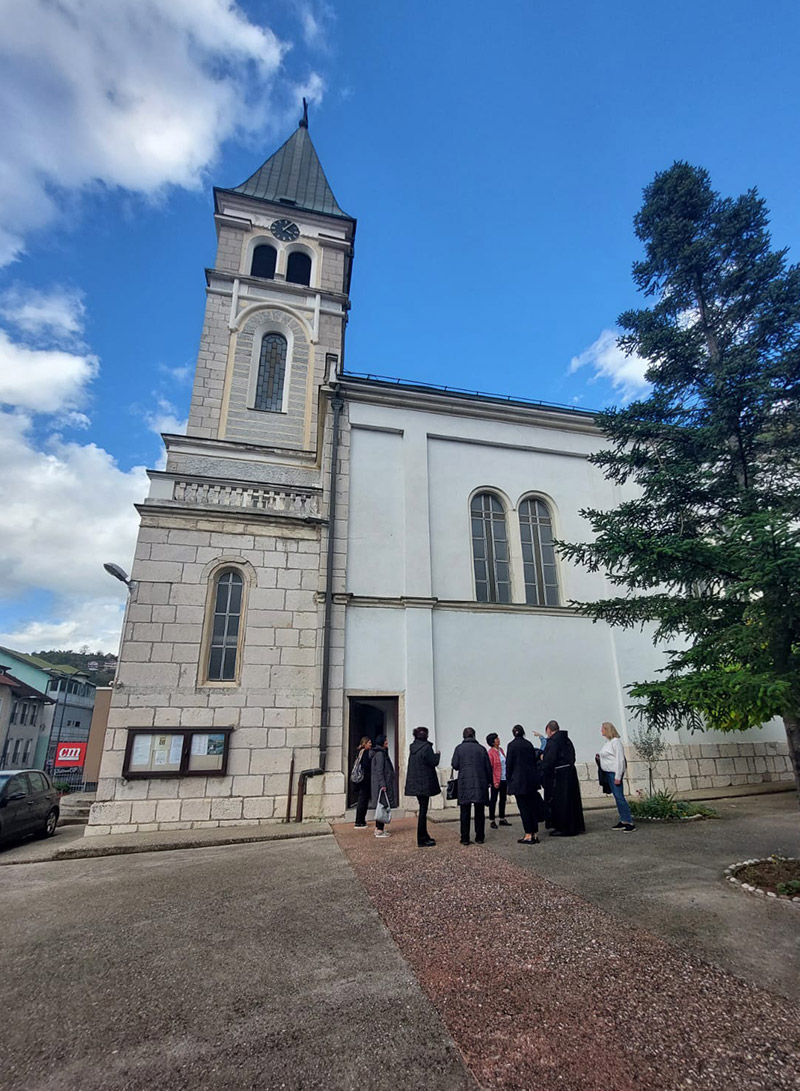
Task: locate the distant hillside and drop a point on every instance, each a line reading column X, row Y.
column 106, row 664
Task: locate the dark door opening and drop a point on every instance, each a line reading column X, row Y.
column 370, row 717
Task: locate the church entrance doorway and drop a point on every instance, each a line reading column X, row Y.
column 371, row 716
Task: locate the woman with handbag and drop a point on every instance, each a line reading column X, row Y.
column 361, row 766
column 422, row 781
column 383, row 781
column 524, row 770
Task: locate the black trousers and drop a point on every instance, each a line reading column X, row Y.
column 527, row 812
column 502, row 794
column 422, row 820
column 362, row 803
column 480, row 821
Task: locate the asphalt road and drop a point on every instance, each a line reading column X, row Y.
column 255, row 966
column 668, row 878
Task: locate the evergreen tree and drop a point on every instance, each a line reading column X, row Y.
column 706, row 547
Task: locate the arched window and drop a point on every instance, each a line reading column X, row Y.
column 224, row 638
column 263, row 263
column 490, row 549
column 298, row 268
column 538, row 553
column 271, row 373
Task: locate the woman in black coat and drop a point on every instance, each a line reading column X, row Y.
column 474, row 769
column 524, row 774
column 365, row 786
column 422, row 781
column 382, row 777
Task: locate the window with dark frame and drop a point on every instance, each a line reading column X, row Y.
column 298, row 268
column 271, row 373
column 490, row 549
column 224, row 642
column 538, row 553
column 201, row 752
column 263, row 263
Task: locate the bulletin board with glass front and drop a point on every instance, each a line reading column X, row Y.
column 173, row 753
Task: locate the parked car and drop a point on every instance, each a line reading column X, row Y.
column 28, row 803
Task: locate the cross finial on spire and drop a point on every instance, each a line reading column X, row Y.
column 304, row 118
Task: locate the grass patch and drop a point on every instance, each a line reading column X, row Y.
column 664, row 807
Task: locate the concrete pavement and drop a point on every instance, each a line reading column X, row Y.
column 258, row 966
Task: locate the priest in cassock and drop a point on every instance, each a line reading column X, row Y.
column 562, row 793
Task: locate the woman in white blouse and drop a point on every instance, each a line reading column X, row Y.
column 612, row 763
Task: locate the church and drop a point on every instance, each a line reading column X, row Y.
column 328, row 555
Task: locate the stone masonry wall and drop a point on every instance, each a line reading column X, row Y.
column 273, row 711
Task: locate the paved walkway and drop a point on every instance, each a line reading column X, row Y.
column 257, row 966
column 542, row 989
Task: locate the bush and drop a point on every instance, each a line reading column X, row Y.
column 665, row 807
column 792, row 887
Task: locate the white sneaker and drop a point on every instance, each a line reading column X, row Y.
column 382, row 833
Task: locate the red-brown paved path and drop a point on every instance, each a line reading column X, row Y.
column 543, row 990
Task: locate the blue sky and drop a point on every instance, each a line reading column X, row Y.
column 494, row 158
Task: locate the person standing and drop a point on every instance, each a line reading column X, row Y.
column 524, row 769
column 562, row 792
column 422, row 781
column 499, row 787
column 612, row 764
column 474, row 769
column 382, row 779
column 365, row 785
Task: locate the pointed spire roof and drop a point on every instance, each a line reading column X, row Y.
column 294, row 176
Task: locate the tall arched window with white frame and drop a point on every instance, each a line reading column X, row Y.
column 223, row 643
column 538, row 553
column 490, row 549
column 271, row 373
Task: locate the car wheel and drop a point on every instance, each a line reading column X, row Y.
column 50, row 824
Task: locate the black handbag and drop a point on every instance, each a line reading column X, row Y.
column 451, row 791
column 602, row 778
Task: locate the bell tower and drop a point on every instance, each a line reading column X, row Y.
column 278, row 299
column 230, row 671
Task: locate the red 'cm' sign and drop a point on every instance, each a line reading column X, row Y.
column 70, row 753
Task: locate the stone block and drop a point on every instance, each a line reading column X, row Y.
column 720, row 780
column 162, row 789
column 280, row 717
column 195, row 810
column 167, row 717
column 197, row 717
column 152, row 676
column 238, row 763
column 262, row 655
column 173, row 552
column 258, row 807
column 226, row 808
column 248, row 785
column 276, row 737
column 219, row 787
column 168, row 810
column 725, row 765
column 683, row 784
column 251, row 717
column 96, row 831
column 144, row 811
column 264, row 638
column 111, row 814
column 132, row 789
column 299, row 737
column 191, row 788
column 226, row 717
column 679, row 768
column 299, row 657
column 250, row 737
column 707, row 767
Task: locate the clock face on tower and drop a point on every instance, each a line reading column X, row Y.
column 285, row 230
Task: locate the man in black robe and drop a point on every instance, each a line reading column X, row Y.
column 562, row 793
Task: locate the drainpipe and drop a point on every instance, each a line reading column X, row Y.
column 337, row 404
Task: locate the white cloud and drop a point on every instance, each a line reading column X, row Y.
column 165, row 418
column 43, row 380
column 58, row 313
column 138, row 94
column 608, row 361
column 96, row 622
column 66, row 509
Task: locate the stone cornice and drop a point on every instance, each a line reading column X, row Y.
column 411, row 602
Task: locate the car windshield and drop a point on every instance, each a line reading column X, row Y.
column 4, row 779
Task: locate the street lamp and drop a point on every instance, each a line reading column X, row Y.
column 118, row 573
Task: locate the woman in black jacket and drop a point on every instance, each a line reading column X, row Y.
column 422, row 781
column 382, row 778
column 365, row 786
column 524, row 774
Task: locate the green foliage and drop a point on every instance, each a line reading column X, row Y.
column 79, row 659
column 792, row 887
column 705, row 552
column 664, row 806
